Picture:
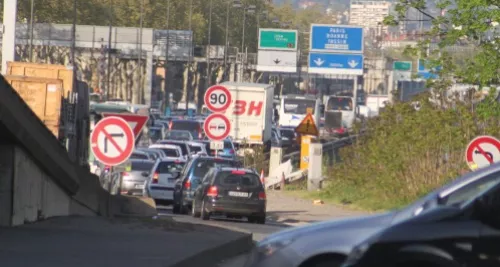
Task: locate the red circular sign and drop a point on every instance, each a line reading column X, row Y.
column 217, row 98
column 112, row 141
column 217, row 131
column 482, row 151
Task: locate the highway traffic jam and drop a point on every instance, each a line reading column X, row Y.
column 193, row 163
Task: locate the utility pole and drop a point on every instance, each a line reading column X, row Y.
column 209, row 78
column 110, row 36
column 227, row 34
column 188, row 87
column 140, row 53
column 31, row 29
column 166, row 87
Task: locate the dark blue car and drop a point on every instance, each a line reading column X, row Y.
column 190, row 179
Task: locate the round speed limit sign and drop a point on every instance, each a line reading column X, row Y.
column 217, row 98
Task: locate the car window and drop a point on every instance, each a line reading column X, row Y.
column 195, row 149
column 183, row 146
column 228, row 145
column 230, row 179
column 203, row 166
column 171, row 152
column 139, row 156
column 470, row 191
column 169, row 167
column 142, row 166
column 208, row 176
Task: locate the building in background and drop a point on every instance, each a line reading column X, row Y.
column 369, row 14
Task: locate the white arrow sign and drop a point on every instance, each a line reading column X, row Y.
column 353, row 64
column 319, row 62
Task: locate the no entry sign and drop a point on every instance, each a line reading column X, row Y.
column 482, row 152
column 217, row 127
column 217, row 98
column 112, row 141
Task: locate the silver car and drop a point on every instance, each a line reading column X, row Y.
column 132, row 179
column 328, row 243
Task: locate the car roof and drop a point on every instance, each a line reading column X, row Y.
column 141, row 160
column 186, row 120
column 158, row 146
column 171, row 141
column 138, row 151
column 237, row 169
column 170, row 159
column 216, row 158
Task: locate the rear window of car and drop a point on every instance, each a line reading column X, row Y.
column 195, row 149
column 139, row 156
column 203, row 166
column 170, row 152
column 183, row 146
column 230, row 179
column 142, row 166
column 179, row 135
column 191, row 126
column 169, row 167
column 288, row 134
column 228, row 145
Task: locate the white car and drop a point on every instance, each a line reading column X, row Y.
column 197, row 148
column 171, row 151
column 161, row 182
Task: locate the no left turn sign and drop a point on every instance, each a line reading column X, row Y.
column 482, row 152
column 112, row 141
column 217, row 98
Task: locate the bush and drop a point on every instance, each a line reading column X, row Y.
column 405, row 153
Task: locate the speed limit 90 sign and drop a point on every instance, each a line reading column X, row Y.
column 217, row 98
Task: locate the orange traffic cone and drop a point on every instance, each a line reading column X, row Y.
column 262, row 179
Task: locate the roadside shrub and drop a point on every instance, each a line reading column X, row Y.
column 405, row 153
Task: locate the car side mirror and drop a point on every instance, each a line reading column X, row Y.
column 145, row 174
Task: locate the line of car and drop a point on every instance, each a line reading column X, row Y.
column 455, row 225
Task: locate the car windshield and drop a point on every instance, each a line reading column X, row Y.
column 339, row 103
column 203, row 166
column 169, row 166
column 298, row 106
column 139, row 156
column 141, row 166
column 179, row 135
column 469, row 192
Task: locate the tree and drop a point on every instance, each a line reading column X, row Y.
column 460, row 22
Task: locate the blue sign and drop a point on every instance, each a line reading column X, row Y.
column 424, row 72
column 336, row 38
column 325, row 63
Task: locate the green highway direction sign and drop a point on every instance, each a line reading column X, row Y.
column 277, row 39
column 402, row 65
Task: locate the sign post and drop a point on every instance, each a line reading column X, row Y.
column 482, row 151
column 277, row 51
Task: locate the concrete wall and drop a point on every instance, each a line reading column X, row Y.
column 6, row 180
column 36, row 196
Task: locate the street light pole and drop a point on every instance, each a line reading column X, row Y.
column 209, row 78
column 188, row 86
column 110, row 36
column 140, row 52
column 31, row 29
column 165, row 85
column 227, row 34
column 73, row 44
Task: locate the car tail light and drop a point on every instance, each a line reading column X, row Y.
column 262, row 195
column 187, row 185
column 213, row 191
column 238, row 172
column 170, row 125
column 156, row 176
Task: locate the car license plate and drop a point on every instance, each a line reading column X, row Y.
column 139, row 186
column 238, row 194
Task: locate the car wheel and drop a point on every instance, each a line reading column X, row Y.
column 176, row 209
column 184, row 209
column 257, row 219
column 326, row 263
column 194, row 213
column 203, row 213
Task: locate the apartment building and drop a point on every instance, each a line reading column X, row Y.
column 369, row 14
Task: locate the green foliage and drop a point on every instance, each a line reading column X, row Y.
column 127, row 13
column 406, row 153
column 465, row 22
